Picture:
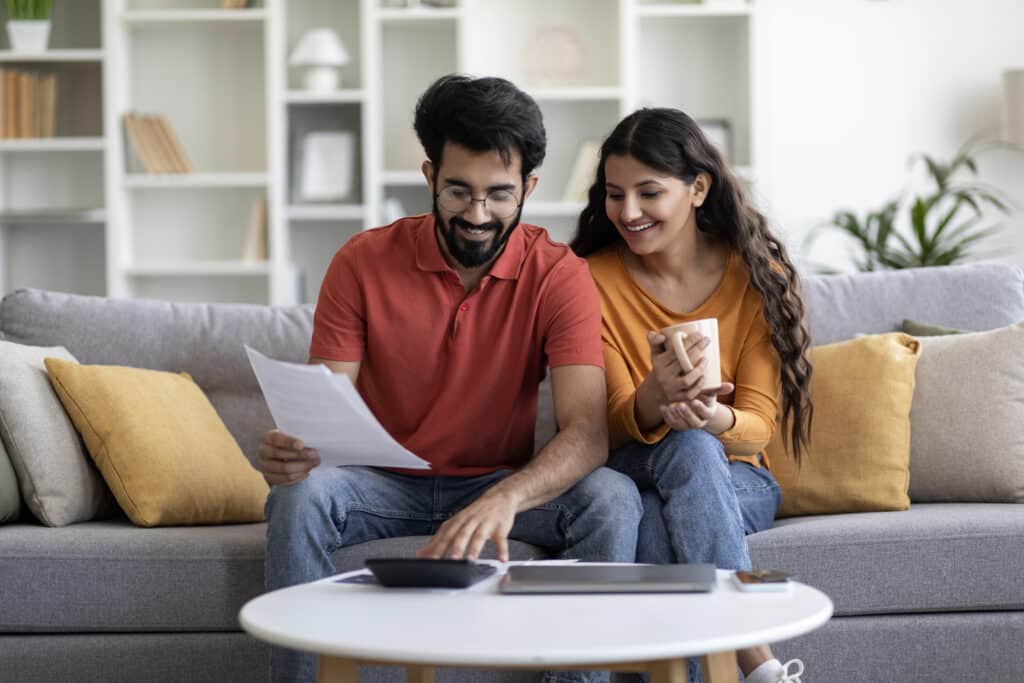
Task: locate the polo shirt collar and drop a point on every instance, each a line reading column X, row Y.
column 430, row 258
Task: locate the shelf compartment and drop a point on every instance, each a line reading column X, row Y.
column 684, row 63
column 313, row 245
column 142, row 17
column 75, row 25
column 217, row 105
column 336, row 118
column 190, row 225
column 545, row 44
column 578, row 122
column 59, row 181
column 177, row 181
column 79, row 108
column 32, row 253
column 414, row 55
column 342, row 16
column 326, row 212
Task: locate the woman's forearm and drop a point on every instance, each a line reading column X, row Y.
column 648, row 399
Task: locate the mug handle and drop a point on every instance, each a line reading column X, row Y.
column 677, row 340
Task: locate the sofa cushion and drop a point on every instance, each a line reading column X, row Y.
column 934, row 557
column 977, row 296
column 114, row 576
column 56, row 477
column 968, row 444
column 10, row 497
column 160, row 445
column 858, row 454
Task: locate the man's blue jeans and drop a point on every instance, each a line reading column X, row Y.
column 698, row 507
column 596, row 520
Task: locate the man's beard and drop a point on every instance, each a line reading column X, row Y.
column 474, row 254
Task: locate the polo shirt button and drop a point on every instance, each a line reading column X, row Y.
column 464, row 307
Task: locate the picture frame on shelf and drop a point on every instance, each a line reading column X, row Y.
column 323, row 166
column 719, row 133
column 554, row 56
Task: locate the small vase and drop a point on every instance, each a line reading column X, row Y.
column 28, row 35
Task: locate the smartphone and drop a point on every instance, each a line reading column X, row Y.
column 762, row 581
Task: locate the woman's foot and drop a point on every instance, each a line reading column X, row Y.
column 773, row 671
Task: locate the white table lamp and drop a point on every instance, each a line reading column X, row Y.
column 321, row 50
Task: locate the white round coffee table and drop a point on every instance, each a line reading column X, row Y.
column 351, row 625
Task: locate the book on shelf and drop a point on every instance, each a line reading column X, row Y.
column 154, row 144
column 28, row 104
column 584, row 171
column 234, row 4
column 258, row 233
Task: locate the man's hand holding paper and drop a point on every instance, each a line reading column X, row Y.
column 321, row 418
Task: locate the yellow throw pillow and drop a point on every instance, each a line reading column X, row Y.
column 159, row 444
column 858, row 459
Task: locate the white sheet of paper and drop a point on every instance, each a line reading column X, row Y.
column 324, row 410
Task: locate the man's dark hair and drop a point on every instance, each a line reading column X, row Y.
column 480, row 114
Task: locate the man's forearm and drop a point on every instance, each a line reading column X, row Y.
column 573, row 454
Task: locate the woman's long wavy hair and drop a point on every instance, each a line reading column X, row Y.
column 671, row 142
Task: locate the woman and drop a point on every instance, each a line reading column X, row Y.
column 670, row 237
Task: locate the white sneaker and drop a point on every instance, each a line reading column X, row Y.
column 794, row 677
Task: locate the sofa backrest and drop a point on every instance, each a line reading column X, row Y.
column 979, row 296
column 206, row 340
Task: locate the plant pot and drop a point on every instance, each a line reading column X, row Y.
column 28, row 35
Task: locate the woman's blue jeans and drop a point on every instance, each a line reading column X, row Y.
column 698, row 507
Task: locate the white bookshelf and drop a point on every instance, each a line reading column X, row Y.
column 222, row 80
column 52, row 195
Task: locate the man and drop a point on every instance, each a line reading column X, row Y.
column 446, row 323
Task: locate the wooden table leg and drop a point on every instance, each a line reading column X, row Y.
column 337, row 670
column 719, row 667
column 420, row 674
column 668, row 671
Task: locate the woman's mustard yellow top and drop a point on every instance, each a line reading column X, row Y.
column 748, row 358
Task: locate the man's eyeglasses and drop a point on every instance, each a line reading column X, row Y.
column 499, row 203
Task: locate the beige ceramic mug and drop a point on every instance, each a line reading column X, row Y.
column 676, row 335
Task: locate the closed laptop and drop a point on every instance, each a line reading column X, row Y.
column 609, row 578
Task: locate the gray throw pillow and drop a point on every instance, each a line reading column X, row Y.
column 58, row 480
column 966, row 441
column 10, row 499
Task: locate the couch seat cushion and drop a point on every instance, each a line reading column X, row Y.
column 934, row 557
column 116, row 577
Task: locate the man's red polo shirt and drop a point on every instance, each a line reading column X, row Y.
column 454, row 377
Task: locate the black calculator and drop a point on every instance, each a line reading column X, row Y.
column 407, row 572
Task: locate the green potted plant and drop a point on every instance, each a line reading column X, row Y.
column 939, row 224
column 28, row 24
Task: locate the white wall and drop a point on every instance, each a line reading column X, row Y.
column 849, row 89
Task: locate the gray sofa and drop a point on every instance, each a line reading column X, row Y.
column 934, row 593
